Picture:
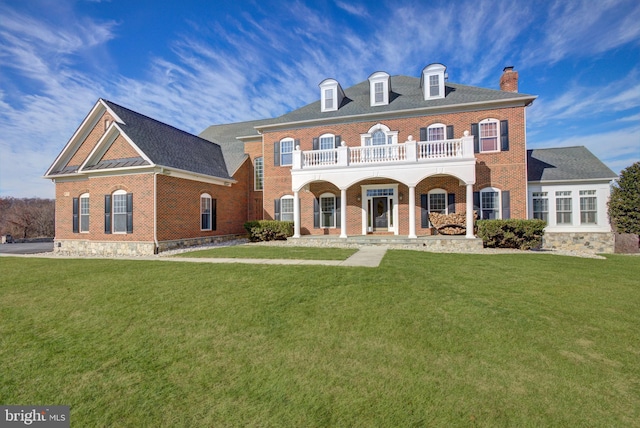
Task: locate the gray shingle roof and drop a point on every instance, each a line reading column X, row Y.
column 170, row 147
column 566, row 163
column 226, row 137
column 406, row 95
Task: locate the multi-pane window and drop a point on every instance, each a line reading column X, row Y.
column 379, row 92
column 120, row 212
column 84, row 212
column 378, row 138
column 541, row 206
column 588, row 207
column 489, row 136
column 489, row 205
column 327, row 142
column 258, row 171
column 435, row 133
column 563, row 207
column 438, row 203
column 205, row 212
column 327, row 211
column 434, row 85
column 286, row 151
column 286, row 208
column 328, row 99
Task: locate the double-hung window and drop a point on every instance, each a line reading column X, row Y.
column 588, row 207
column 434, row 85
column 435, row 133
column 205, row 212
column 489, row 204
column 286, row 208
column 541, row 206
column 286, row 151
column 489, row 135
column 328, row 99
column 84, row 212
column 379, row 92
column 327, row 210
column 563, row 207
column 120, row 212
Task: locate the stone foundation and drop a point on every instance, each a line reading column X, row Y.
column 115, row 249
column 591, row 242
column 102, row 248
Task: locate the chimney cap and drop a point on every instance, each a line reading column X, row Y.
column 508, row 68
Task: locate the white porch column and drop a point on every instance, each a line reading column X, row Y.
column 343, row 213
column 412, row 212
column 469, row 224
column 296, row 214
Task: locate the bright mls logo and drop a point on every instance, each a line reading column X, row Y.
column 36, row 416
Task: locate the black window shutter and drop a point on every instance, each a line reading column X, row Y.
column 338, row 206
column 423, row 134
column 276, row 153
column 213, row 214
column 476, row 138
column 76, row 219
column 316, row 213
column 296, row 143
column 504, row 135
column 506, row 205
column 338, row 140
column 276, row 209
column 451, row 202
column 424, row 214
column 129, row 212
column 107, row 213
column 316, row 143
column 476, row 202
column 449, row 132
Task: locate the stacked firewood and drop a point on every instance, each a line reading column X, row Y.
column 450, row 224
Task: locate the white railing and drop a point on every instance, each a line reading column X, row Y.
column 409, row 151
column 377, row 154
column 440, row 149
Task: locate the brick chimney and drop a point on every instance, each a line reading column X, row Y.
column 509, row 80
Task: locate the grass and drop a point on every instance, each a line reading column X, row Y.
column 253, row 251
column 424, row 340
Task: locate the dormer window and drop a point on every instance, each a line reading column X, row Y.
column 432, row 81
column 331, row 95
column 379, row 88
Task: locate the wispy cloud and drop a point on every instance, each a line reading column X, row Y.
column 354, row 9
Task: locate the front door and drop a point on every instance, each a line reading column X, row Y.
column 380, row 213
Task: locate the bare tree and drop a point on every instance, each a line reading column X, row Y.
column 27, row 217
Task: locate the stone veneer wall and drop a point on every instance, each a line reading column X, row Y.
column 592, row 242
column 114, row 249
column 105, row 249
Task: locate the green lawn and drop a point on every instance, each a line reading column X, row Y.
column 253, row 251
column 423, row 340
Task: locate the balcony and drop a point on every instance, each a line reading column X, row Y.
column 409, row 152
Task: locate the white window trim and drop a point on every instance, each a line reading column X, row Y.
column 282, row 212
column 484, row 122
column 206, row 196
column 287, row 140
column 258, row 170
column 113, row 212
column 438, row 125
column 433, row 70
column 499, row 202
column 336, row 92
column 327, row 196
column 333, row 141
column 390, row 135
column 379, row 77
column 88, row 214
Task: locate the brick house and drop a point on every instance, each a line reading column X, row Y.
column 375, row 158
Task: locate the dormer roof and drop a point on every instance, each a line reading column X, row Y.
column 379, row 88
column 331, row 95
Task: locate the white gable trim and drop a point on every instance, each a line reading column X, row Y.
column 105, row 142
column 81, row 134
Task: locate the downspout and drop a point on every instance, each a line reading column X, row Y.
column 155, row 213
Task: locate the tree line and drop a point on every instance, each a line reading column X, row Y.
column 25, row 218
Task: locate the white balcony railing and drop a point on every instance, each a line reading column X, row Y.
column 409, row 151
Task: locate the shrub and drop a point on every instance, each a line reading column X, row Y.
column 268, row 230
column 520, row 234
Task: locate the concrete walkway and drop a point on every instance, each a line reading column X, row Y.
column 365, row 257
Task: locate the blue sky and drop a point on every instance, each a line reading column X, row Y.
column 197, row 63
